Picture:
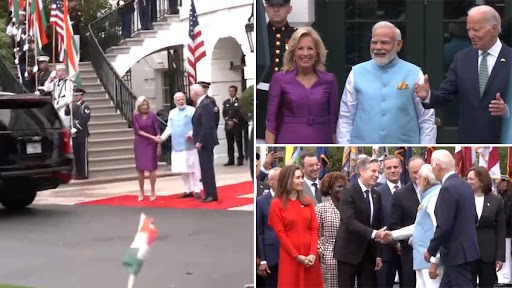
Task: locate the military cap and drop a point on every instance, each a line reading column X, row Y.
column 60, row 67
column 277, row 1
column 204, row 84
column 43, row 58
column 22, row 12
column 504, row 178
column 78, row 91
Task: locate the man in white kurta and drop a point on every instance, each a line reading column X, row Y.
column 62, row 93
column 184, row 157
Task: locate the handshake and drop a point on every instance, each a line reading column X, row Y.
column 383, row 236
column 306, row 261
column 160, row 140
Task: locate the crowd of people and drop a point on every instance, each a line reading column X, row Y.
column 440, row 229
column 299, row 102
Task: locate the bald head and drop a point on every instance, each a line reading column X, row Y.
column 196, row 91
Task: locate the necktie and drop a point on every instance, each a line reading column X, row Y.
column 396, row 188
column 318, row 196
column 483, row 74
column 367, row 195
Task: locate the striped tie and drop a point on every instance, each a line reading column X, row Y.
column 483, row 74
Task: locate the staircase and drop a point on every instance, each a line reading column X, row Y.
column 110, row 145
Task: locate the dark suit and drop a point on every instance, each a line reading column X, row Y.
column 354, row 248
column 231, row 112
column 268, row 242
column 261, row 188
column 81, row 116
column 391, row 262
column 260, row 281
column 455, row 235
column 262, row 176
column 403, row 213
column 490, row 231
column 205, row 132
column 476, row 125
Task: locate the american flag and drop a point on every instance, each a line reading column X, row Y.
column 196, row 50
column 57, row 20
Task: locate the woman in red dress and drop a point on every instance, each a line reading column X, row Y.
column 292, row 216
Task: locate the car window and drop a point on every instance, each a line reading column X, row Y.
column 18, row 114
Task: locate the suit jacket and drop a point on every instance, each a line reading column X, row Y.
column 262, row 176
column 386, row 251
column 262, row 188
column 404, row 208
column 353, row 239
column 269, row 244
column 476, row 125
column 455, row 235
column 204, row 126
column 490, row 230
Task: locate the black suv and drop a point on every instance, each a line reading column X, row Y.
column 35, row 149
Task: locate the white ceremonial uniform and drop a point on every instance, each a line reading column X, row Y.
column 62, row 96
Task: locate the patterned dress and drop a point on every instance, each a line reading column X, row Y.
column 329, row 221
column 146, row 158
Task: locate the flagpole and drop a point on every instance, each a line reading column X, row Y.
column 53, row 46
column 27, row 33
column 131, row 281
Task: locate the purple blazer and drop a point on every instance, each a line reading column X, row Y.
column 298, row 115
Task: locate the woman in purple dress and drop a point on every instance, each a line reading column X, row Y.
column 147, row 130
column 303, row 99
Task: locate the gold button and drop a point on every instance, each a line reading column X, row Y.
column 278, row 43
column 278, row 52
column 276, row 69
column 277, row 60
column 278, row 35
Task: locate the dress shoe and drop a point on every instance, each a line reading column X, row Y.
column 240, row 164
column 187, row 195
column 209, row 199
column 229, row 164
column 197, row 195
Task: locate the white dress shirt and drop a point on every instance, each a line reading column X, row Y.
column 392, row 186
column 348, row 109
column 479, row 203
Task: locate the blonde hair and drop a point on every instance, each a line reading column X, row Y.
column 289, row 64
column 139, row 102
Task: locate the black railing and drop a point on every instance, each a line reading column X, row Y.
column 8, row 81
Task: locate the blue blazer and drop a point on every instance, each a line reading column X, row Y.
column 267, row 239
column 455, row 235
column 476, row 125
column 386, row 197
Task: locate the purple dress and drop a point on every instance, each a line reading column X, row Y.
column 298, row 115
column 146, row 158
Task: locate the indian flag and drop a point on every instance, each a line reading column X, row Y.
column 146, row 234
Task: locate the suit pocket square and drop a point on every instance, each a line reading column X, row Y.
column 402, row 86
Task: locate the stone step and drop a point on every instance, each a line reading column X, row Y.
column 107, row 125
column 159, row 26
column 125, row 160
column 132, row 42
column 98, row 101
column 111, row 134
column 110, row 142
column 145, row 34
column 85, row 65
column 170, row 18
column 99, row 117
column 111, row 151
column 89, row 86
column 116, row 171
column 103, row 109
column 92, row 79
column 91, row 93
column 117, row 50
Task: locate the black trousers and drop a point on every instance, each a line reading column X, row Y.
column 154, row 10
column 145, row 15
column 364, row 271
column 126, row 24
column 235, row 135
column 486, row 272
column 81, row 156
column 457, row 276
column 386, row 275
column 271, row 280
column 408, row 277
column 207, row 173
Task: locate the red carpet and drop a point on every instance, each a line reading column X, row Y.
column 227, row 199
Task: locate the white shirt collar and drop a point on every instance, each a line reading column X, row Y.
column 272, row 193
column 494, row 51
column 200, row 99
column 392, row 186
column 447, row 175
column 309, row 182
column 364, row 188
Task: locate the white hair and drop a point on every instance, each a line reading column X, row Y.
column 426, row 172
column 444, row 159
column 273, row 171
column 493, row 17
column 139, row 102
column 386, row 24
column 179, row 94
column 196, row 89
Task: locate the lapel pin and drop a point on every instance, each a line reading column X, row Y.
column 502, row 59
column 488, row 204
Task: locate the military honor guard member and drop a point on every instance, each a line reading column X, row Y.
column 279, row 33
column 62, row 93
column 234, row 126
column 43, row 72
column 75, row 16
column 81, row 115
column 30, row 75
column 206, row 87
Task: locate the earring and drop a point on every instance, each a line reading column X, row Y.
column 293, row 59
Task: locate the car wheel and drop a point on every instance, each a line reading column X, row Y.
column 18, row 200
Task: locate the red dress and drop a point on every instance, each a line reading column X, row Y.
column 296, row 228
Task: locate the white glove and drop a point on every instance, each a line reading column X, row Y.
column 16, row 62
column 121, row 3
column 25, row 47
column 35, row 69
column 73, row 131
column 37, row 93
